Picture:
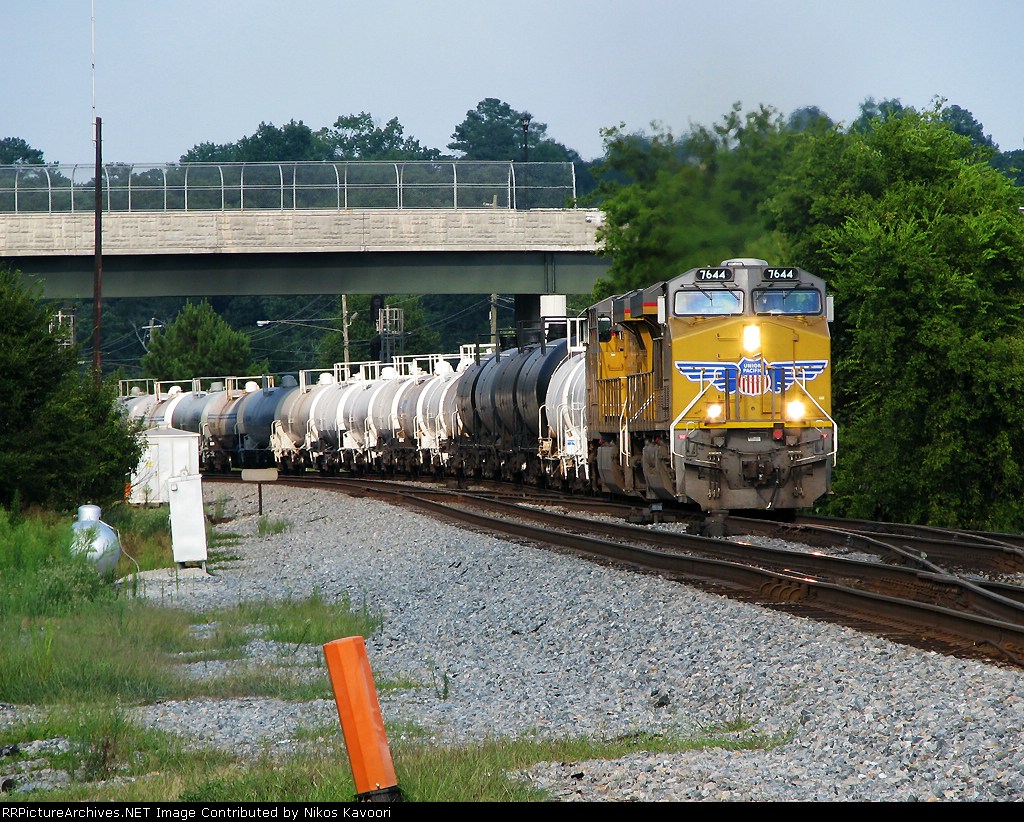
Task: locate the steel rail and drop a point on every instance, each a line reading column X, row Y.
column 997, row 633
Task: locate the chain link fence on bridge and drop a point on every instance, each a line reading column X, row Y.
column 367, row 184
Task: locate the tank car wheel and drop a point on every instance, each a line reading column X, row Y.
column 714, row 524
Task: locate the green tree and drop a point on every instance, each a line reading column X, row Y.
column 874, row 111
column 671, row 204
column 67, row 443
column 494, row 131
column 15, row 151
column 352, row 137
column 358, row 137
column 1010, row 163
column 294, row 141
column 806, row 118
column 963, row 122
column 198, row 343
column 923, row 246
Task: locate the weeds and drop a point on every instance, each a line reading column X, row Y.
column 440, row 687
column 69, row 639
column 216, row 513
column 266, row 527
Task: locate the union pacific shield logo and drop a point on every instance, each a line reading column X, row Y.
column 752, row 376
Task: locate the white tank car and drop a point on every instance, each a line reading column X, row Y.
column 435, row 417
column 566, row 406
column 137, row 400
column 294, row 437
column 187, row 413
column 327, row 420
column 383, row 411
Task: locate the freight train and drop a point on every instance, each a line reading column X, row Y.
column 711, row 389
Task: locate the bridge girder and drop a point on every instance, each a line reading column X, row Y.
column 368, row 272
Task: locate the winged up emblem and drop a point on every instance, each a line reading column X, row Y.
column 752, row 376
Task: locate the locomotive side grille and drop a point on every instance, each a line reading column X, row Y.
column 609, row 399
column 640, row 397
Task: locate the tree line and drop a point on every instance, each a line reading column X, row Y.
column 913, row 217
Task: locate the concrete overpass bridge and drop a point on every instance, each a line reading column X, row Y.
column 301, row 228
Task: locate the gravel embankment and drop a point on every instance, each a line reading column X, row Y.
column 510, row 640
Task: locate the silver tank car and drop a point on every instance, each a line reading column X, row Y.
column 390, row 443
column 294, row 437
column 565, row 443
column 432, row 413
column 255, row 417
column 328, row 420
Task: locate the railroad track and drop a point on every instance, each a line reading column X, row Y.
column 904, row 594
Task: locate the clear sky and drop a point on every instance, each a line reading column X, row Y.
column 169, row 74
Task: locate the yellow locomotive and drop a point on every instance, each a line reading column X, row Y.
column 715, row 388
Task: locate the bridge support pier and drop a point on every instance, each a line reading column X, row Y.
column 527, row 308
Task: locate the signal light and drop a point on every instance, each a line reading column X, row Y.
column 778, row 432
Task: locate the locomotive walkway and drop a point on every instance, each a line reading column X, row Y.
column 301, row 228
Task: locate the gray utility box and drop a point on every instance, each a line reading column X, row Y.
column 188, row 521
column 169, row 453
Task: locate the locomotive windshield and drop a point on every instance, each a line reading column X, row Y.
column 705, row 301
column 787, row 301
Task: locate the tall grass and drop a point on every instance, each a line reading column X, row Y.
column 87, row 652
column 145, row 535
column 40, row 575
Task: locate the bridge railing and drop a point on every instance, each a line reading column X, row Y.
column 362, row 184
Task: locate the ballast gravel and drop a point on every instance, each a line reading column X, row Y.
column 499, row 639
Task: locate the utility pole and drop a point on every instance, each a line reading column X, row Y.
column 149, row 329
column 344, row 328
column 97, row 282
column 494, row 320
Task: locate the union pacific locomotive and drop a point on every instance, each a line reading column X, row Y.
column 712, row 389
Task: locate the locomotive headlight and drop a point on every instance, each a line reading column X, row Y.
column 715, row 411
column 795, row 410
column 751, row 338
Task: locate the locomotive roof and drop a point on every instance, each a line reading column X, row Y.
column 739, row 272
column 746, row 273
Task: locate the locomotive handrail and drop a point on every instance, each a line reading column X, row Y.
column 683, row 413
column 835, row 428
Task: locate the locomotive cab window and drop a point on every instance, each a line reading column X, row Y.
column 705, row 301
column 787, row 301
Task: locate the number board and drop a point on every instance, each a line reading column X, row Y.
column 718, row 275
column 780, row 274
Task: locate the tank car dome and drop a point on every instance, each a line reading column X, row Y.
column 96, row 539
column 325, row 378
column 251, row 386
column 288, row 381
column 443, row 368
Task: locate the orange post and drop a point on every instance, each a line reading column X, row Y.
column 361, row 720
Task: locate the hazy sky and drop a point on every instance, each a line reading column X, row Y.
column 173, row 73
